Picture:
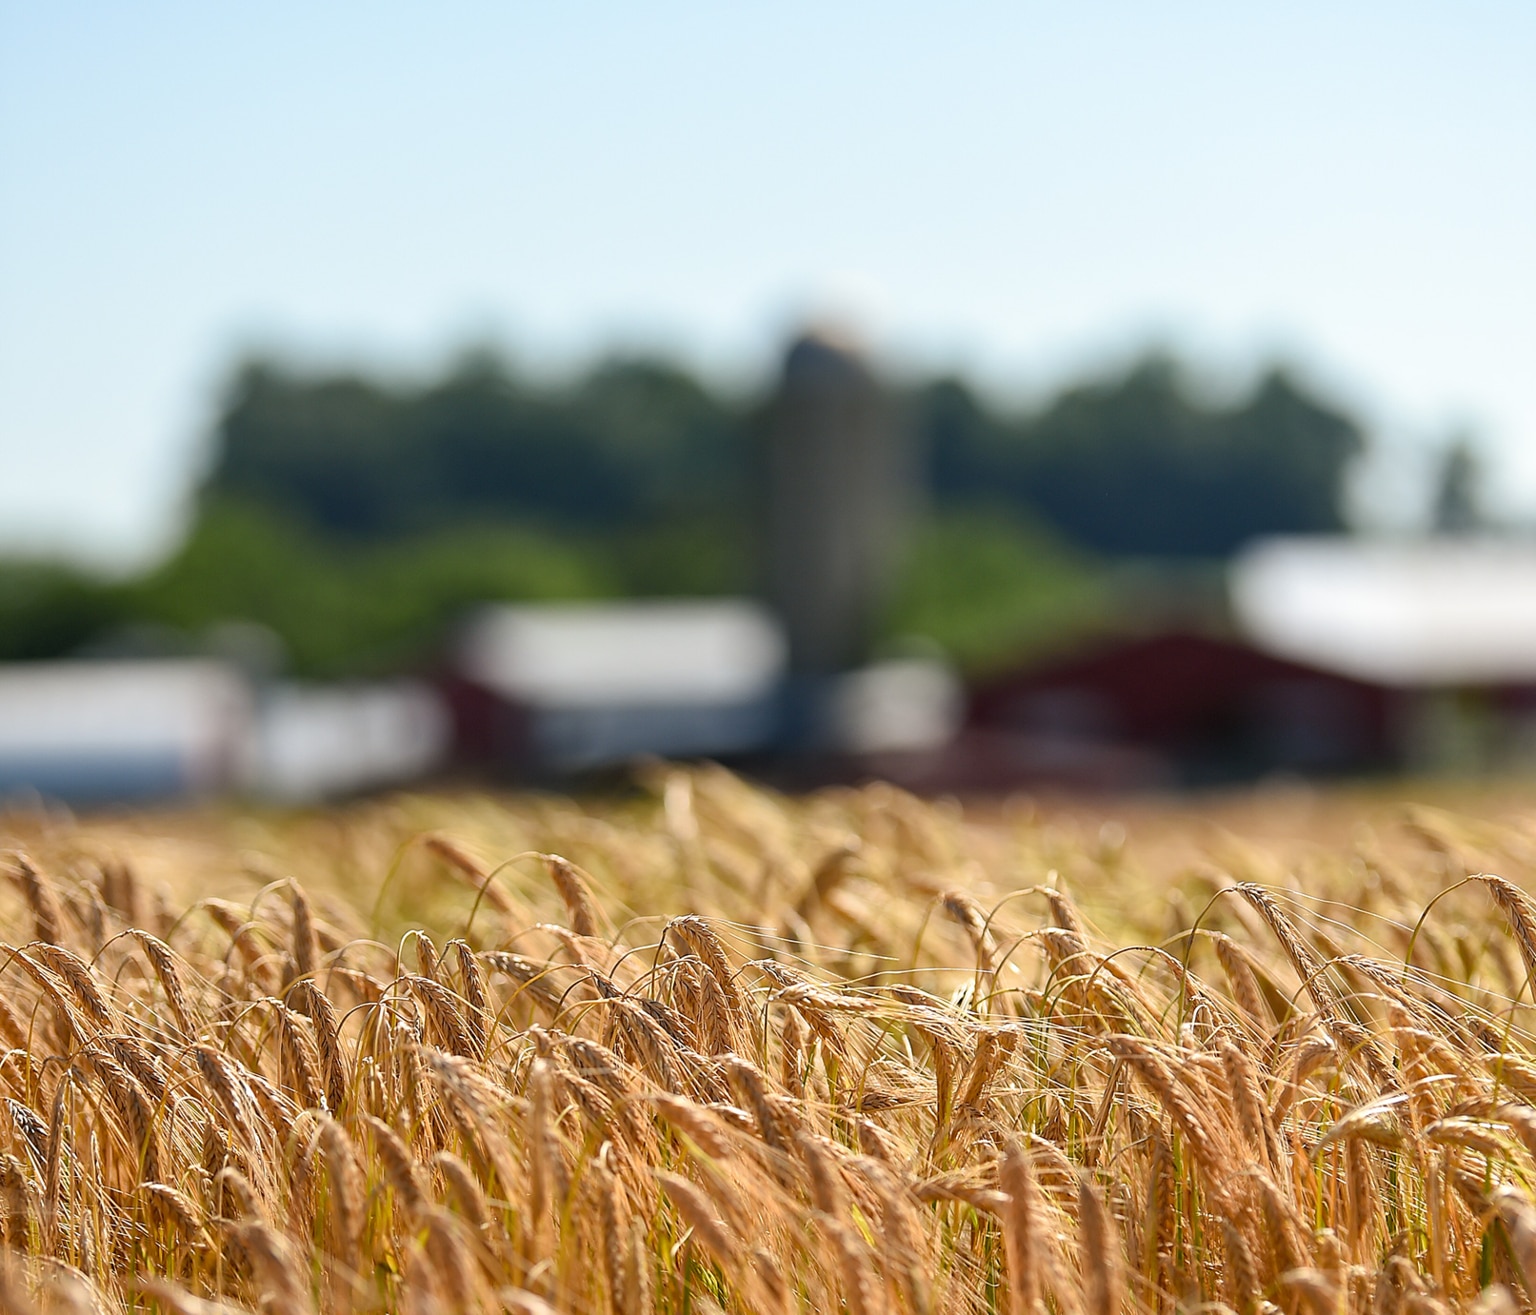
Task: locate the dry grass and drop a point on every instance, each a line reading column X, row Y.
column 717, row 1050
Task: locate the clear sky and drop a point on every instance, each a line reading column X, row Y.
column 1019, row 189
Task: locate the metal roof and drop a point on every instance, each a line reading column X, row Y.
column 121, row 729
column 1432, row 612
column 715, row 651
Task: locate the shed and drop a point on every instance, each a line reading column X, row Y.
column 89, row 731
column 565, row 686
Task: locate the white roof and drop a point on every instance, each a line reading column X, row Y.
column 190, row 706
column 1426, row 612
column 122, row 729
column 715, row 651
column 317, row 740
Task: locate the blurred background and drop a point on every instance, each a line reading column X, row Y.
column 979, row 396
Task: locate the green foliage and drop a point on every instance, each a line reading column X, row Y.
column 346, row 608
column 1135, row 464
column 990, row 586
column 630, row 442
column 47, row 608
column 1138, row 466
column 681, row 556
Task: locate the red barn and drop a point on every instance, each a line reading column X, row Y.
column 1177, row 709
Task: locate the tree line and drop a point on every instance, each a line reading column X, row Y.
column 356, row 516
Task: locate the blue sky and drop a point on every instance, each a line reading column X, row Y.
column 1020, row 190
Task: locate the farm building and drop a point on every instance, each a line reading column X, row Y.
column 317, row 741
column 1347, row 656
column 560, row 687
column 103, row 731
column 91, row 731
column 553, row 688
column 1442, row 613
column 1174, row 709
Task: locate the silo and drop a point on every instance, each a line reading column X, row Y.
column 834, row 490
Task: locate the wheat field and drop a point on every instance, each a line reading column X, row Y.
column 709, row 1049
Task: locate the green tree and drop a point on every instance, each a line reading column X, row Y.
column 48, row 608
column 990, row 586
column 1135, row 466
column 630, row 442
column 344, row 608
